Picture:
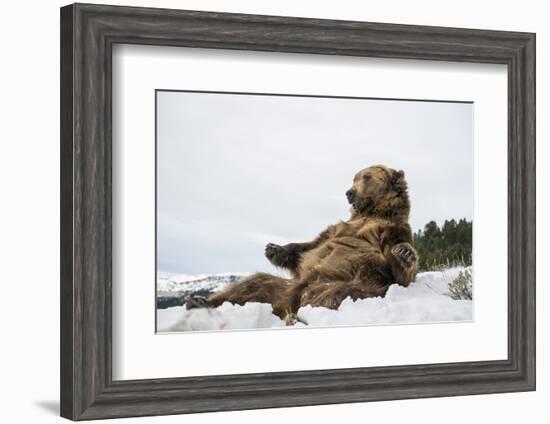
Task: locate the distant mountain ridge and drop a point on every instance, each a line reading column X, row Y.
column 172, row 290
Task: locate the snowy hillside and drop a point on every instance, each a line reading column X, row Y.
column 426, row 300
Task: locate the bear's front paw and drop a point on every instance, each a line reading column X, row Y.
column 404, row 252
column 275, row 253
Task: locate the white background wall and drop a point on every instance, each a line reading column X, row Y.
column 29, row 224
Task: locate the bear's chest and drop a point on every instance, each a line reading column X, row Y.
column 368, row 231
column 349, row 244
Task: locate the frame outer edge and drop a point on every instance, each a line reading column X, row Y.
column 522, row 213
column 87, row 391
column 529, row 131
column 67, row 381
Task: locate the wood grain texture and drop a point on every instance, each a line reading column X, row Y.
column 66, row 214
column 88, row 33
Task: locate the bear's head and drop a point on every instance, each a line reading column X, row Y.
column 379, row 191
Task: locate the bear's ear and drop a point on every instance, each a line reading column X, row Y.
column 398, row 181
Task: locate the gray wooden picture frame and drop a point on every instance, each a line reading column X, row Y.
column 88, row 33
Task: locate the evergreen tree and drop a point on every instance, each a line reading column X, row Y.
column 450, row 245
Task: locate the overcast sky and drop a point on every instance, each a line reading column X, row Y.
column 238, row 171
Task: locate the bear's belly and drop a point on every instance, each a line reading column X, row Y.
column 341, row 259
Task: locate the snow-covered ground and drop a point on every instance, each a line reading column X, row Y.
column 425, row 300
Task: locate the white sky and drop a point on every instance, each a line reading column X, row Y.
column 235, row 172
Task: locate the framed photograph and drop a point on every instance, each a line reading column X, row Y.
column 262, row 211
column 356, row 271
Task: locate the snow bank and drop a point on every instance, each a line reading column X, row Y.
column 224, row 317
column 425, row 300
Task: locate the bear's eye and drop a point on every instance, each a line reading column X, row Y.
column 366, row 177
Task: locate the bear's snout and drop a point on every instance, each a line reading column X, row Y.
column 350, row 194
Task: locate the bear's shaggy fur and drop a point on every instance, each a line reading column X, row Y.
column 358, row 258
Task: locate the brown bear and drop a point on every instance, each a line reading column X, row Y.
column 358, row 258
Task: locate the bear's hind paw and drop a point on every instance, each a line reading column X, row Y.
column 195, row 302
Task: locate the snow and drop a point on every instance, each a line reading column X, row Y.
column 425, row 300
column 224, row 317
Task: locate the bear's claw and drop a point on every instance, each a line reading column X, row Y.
column 405, row 253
